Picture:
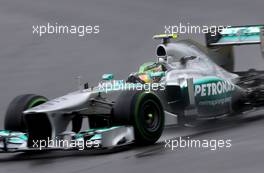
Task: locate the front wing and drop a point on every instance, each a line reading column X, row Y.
column 84, row 140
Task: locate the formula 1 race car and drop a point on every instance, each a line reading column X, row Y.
column 188, row 82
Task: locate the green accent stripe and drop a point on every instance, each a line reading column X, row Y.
column 37, row 102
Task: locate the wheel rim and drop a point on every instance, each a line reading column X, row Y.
column 151, row 115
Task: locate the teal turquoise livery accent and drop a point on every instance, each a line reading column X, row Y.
column 108, row 77
column 14, row 137
column 210, row 88
column 242, row 31
column 237, row 35
column 213, row 88
column 157, row 74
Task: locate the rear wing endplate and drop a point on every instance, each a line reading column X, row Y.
column 237, row 35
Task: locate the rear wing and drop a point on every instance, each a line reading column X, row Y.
column 237, row 35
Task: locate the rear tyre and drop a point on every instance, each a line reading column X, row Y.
column 144, row 111
column 14, row 118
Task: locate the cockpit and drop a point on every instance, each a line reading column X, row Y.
column 150, row 72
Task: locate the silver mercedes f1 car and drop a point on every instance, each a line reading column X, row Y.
column 187, row 82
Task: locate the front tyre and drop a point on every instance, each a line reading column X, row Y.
column 144, row 111
column 14, row 118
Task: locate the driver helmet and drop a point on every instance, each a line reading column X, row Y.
column 147, row 68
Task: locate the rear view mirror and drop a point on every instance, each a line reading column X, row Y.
column 184, row 59
column 107, row 77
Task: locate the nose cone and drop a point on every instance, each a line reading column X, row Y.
column 65, row 103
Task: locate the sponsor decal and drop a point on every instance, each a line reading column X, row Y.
column 214, row 88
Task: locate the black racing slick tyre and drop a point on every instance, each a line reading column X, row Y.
column 14, row 118
column 142, row 110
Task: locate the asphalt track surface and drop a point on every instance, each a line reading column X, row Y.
column 48, row 66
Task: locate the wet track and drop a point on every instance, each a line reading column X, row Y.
column 49, row 65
